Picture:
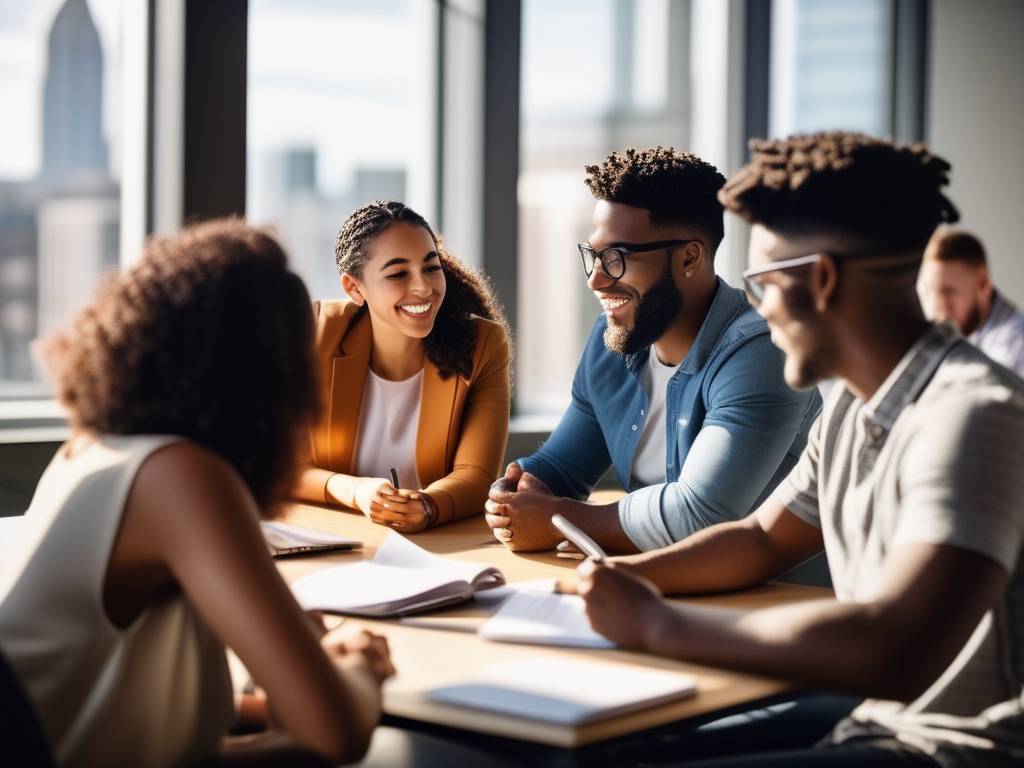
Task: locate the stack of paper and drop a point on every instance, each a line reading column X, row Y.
column 402, row 578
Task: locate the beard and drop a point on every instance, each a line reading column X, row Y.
column 654, row 312
column 809, row 369
column 973, row 320
column 814, row 357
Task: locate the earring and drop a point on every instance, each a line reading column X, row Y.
column 687, row 274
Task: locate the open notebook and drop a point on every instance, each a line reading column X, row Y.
column 565, row 691
column 402, row 578
column 286, row 539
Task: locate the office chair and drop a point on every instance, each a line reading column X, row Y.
column 22, row 742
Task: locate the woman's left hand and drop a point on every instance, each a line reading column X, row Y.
column 404, row 510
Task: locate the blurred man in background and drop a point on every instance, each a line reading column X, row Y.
column 954, row 284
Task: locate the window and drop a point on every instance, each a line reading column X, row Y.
column 597, row 76
column 60, row 170
column 338, row 115
column 831, row 66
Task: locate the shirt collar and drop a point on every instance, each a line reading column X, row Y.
column 999, row 309
column 725, row 306
column 913, row 372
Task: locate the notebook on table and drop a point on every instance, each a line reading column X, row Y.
column 543, row 618
column 565, row 691
column 402, row 578
column 287, row 539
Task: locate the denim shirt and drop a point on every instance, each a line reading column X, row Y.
column 734, row 427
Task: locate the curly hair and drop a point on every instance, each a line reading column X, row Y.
column 450, row 344
column 207, row 336
column 676, row 188
column 858, row 186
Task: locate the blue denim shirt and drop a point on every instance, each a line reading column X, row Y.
column 734, row 427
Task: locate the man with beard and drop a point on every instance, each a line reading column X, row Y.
column 911, row 481
column 679, row 387
column 954, row 285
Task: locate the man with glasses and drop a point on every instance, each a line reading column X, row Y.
column 911, row 481
column 679, row 388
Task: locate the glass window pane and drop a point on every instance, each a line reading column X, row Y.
column 60, row 75
column 332, row 118
column 597, row 76
column 831, row 66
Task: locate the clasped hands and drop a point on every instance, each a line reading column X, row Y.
column 405, row 510
column 519, row 509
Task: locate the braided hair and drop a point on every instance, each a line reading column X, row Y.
column 171, row 346
column 876, row 193
column 450, row 343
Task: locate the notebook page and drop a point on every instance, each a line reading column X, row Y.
column 399, row 551
column 368, row 587
column 545, row 619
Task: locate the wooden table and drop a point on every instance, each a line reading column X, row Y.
column 429, row 658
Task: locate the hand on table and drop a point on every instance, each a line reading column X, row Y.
column 347, row 641
column 405, row 510
column 519, row 509
column 622, row 606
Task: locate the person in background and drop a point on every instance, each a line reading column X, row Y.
column 141, row 557
column 679, row 388
column 414, row 370
column 954, row 284
column 911, row 480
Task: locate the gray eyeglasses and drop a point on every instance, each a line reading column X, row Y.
column 755, row 288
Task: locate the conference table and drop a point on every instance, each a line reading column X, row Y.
column 429, row 658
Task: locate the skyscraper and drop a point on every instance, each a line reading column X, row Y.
column 73, row 143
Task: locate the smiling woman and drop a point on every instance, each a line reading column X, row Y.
column 415, row 373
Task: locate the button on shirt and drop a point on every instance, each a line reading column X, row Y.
column 936, row 456
column 733, row 427
column 649, row 462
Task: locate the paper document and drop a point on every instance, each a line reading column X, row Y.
column 564, row 691
column 545, row 619
column 402, row 578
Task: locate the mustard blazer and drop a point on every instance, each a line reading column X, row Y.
column 463, row 426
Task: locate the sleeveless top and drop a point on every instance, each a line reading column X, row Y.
column 154, row 694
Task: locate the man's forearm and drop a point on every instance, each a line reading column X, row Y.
column 600, row 522
column 820, row 643
column 717, row 559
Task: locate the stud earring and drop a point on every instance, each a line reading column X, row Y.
column 689, row 273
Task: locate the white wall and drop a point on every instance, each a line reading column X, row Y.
column 976, row 121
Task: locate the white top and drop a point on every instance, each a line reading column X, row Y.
column 1002, row 335
column 650, row 459
column 934, row 457
column 388, row 424
column 154, row 694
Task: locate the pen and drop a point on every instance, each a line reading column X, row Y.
column 584, row 543
column 394, row 477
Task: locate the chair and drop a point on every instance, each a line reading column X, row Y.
column 22, row 741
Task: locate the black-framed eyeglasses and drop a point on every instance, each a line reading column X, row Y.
column 613, row 260
column 756, row 288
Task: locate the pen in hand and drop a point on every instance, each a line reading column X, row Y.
column 583, row 543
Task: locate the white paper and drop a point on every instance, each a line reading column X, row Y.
column 401, row 578
column 545, row 619
column 565, row 691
